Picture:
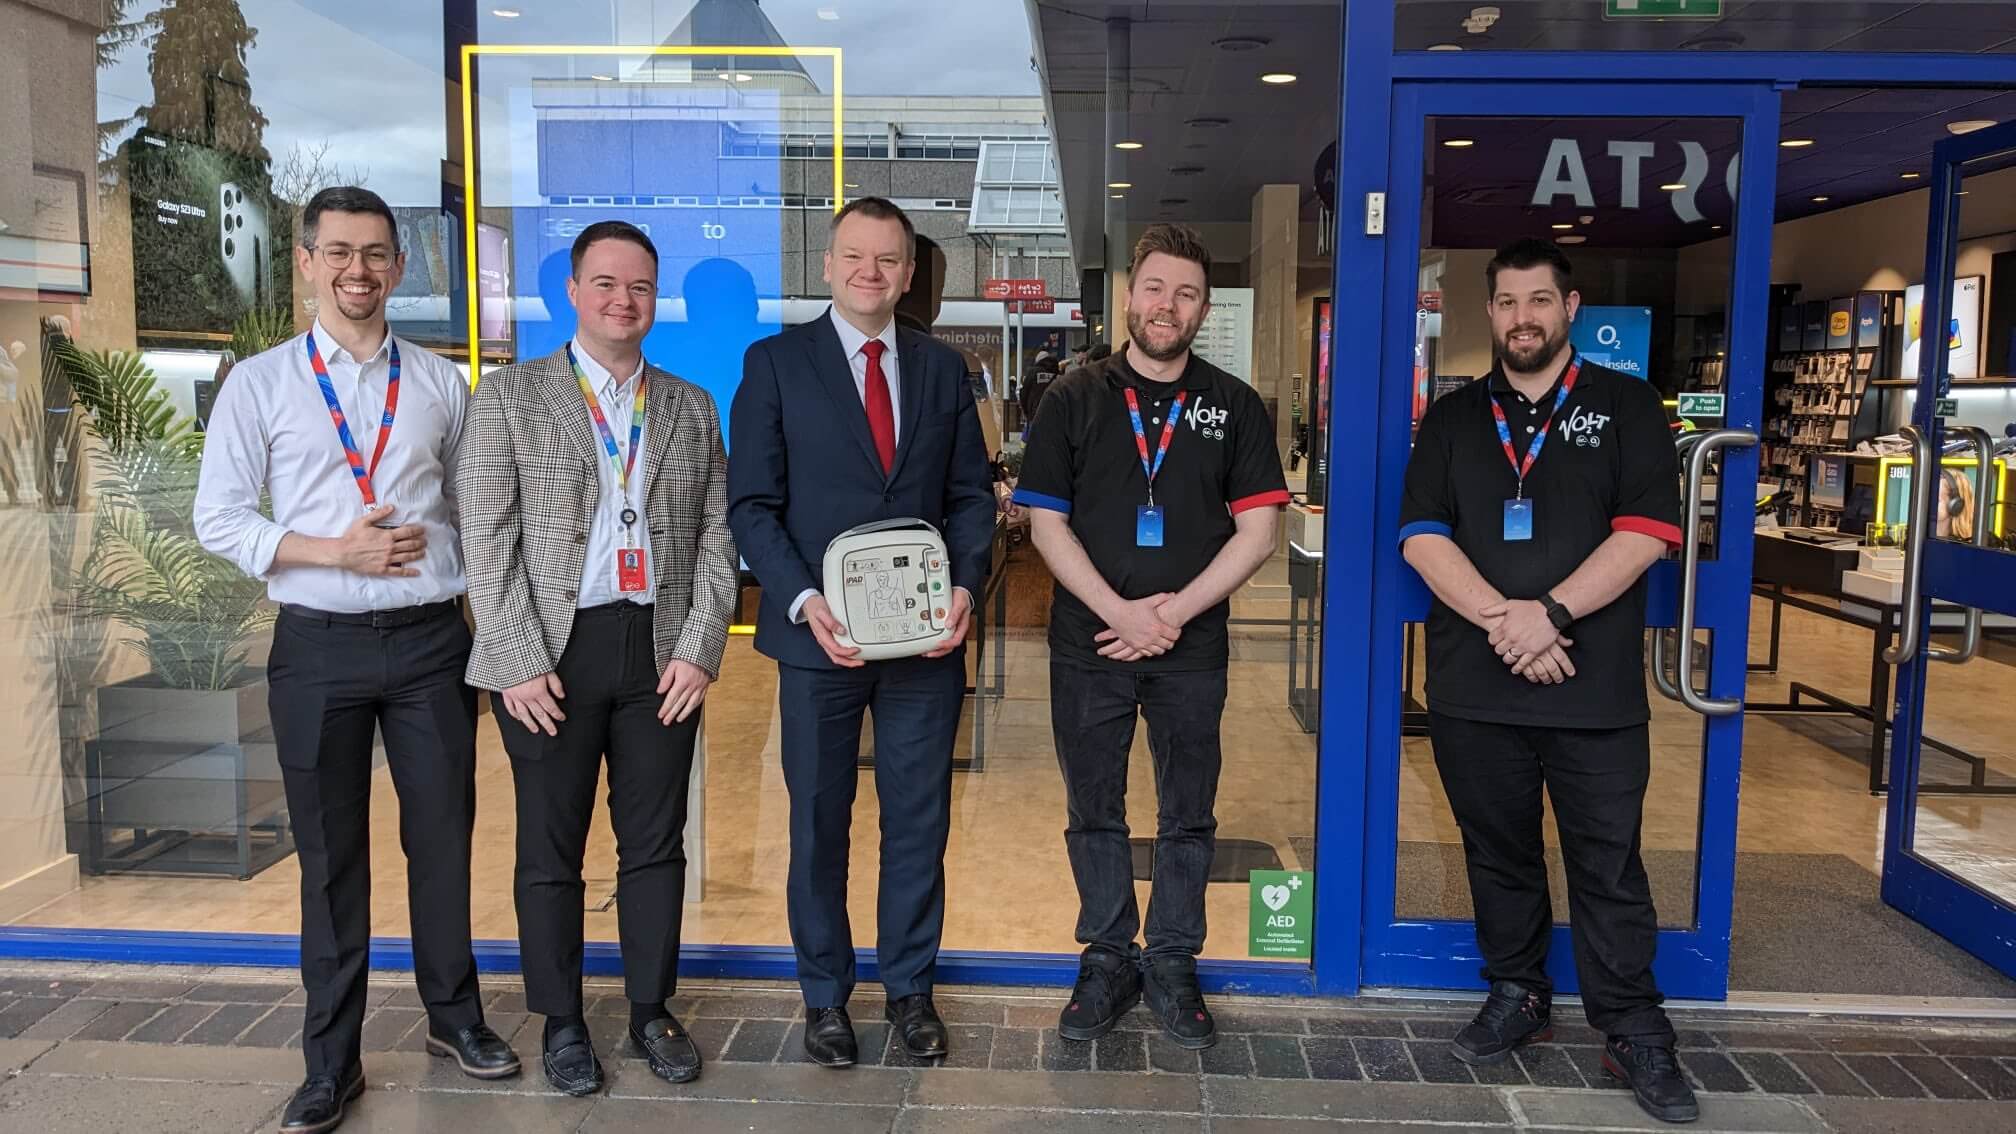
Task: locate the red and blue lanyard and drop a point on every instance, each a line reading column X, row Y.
column 1540, row 439
column 357, row 467
column 1151, row 468
column 624, row 467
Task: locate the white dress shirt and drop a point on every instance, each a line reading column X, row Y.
column 605, row 527
column 852, row 341
column 270, row 430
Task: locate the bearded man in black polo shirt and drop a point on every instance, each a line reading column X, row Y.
column 1536, row 500
column 1152, row 483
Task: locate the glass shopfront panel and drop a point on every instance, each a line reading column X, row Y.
column 1957, row 26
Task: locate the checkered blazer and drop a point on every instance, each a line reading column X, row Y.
column 526, row 479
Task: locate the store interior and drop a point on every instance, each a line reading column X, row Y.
column 1851, row 217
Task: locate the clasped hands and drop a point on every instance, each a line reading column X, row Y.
column 1527, row 641
column 1142, row 628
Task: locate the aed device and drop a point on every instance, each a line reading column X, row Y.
column 890, row 584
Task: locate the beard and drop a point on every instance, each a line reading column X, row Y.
column 1530, row 359
column 1138, row 326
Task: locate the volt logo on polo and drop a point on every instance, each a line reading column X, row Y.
column 1584, row 429
column 1208, row 420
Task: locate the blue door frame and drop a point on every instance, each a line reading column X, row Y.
column 1954, row 573
column 1692, row 962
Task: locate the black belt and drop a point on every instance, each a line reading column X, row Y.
column 620, row 606
column 377, row 619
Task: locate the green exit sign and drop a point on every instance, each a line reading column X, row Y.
column 1946, row 407
column 1701, row 405
column 1662, row 9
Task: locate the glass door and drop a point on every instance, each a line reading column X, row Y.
column 1661, row 198
column 1949, row 854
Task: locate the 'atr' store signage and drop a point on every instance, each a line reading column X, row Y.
column 1564, row 173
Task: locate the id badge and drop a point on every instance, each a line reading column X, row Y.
column 1518, row 520
column 1148, row 526
column 629, row 569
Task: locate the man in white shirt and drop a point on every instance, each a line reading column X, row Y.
column 353, row 433
column 593, row 491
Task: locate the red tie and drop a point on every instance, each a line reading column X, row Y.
column 881, row 415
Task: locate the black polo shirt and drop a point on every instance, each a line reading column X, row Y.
column 1608, row 466
column 1081, row 459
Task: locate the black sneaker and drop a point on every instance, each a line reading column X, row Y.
column 1653, row 1073
column 1169, row 985
column 1512, row 1016
column 1109, row 985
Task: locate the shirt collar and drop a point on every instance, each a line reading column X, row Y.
column 1196, row 374
column 851, row 338
column 607, row 385
column 1503, row 385
column 332, row 351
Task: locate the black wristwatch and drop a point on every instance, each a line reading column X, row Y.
column 1557, row 614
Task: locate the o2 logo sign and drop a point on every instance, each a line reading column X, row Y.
column 1564, row 174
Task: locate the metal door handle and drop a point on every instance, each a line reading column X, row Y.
column 1690, row 569
column 1661, row 678
column 1908, row 626
column 1984, row 512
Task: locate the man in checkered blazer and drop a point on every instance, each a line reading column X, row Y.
column 593, row 492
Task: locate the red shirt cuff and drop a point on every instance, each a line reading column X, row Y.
column 1276, row 499
column 1664, row 532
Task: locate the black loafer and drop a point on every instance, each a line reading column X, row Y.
column 917, row 1025
column 571, row 1065
column 480, row 1052
column 320, row 1102
column 668, row 1049
column 829, row 1037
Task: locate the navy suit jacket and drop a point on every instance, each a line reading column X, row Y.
column 802, row 468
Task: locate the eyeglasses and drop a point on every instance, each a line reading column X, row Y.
column 377, row 257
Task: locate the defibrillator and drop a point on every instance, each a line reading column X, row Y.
column 890, row 584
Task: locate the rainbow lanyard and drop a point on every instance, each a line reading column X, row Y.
column 1141, row 436
column 622, row 465
column 357, row 466
column 1540, row 439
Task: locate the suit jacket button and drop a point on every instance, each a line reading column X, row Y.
column 888, row 498
column 572, row 596
column 580, row 537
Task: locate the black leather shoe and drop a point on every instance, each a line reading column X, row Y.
column 571, row 1065
column 829, row 1037
column 1109, row 985
column 1512, row 1016
column 668, row 1049
column 1170, row 987
column 1653, row 1073
column 917, row 1025
column 319, row 1104
column 480, row 1052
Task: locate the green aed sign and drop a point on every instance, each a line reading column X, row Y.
column 1701, row 405
column 1662, row 9
column 1281, row 903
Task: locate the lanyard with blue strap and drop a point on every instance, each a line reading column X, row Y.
column 1148, row 517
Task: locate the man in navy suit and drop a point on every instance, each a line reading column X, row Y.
column 846, row 420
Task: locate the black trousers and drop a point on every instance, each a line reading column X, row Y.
column 916, row 704
column 609, row 673
column 1092, row 714
column 329, row 684
column 1595, row 779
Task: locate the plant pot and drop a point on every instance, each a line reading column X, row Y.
column 142, row 710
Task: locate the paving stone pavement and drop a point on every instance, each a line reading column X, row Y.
column 184, row 1049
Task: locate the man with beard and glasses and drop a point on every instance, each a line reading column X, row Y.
column 1536, row 500
column 1153, row 484
column 354, row 432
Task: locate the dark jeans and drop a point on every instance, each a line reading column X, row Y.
column 1092, row 712
column 610, row 674
column 916, row 704
column 329, row 684
column 1596, row 781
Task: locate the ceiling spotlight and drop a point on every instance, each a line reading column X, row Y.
column 1186, row 170
column 505, row 13
column 1578, row 238
column 1241, row 43
column 1912, row 175
column 1564, row 228
column 1969, row 125
column 1126, row 145
column 1278, row 78
column 1119, row 185
column 1795, row 143
column 1445, row 47
column 1585, row 219
column 1459, row 143
column 1821, row 200
column 1715, row 228
column 1674, row 186
column 603, row 78
column 1117, row 196
column 743, row 76
column 829, row 14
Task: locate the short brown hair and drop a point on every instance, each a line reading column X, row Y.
column 1178, row 240
column 610, row 230
column 879, row 208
